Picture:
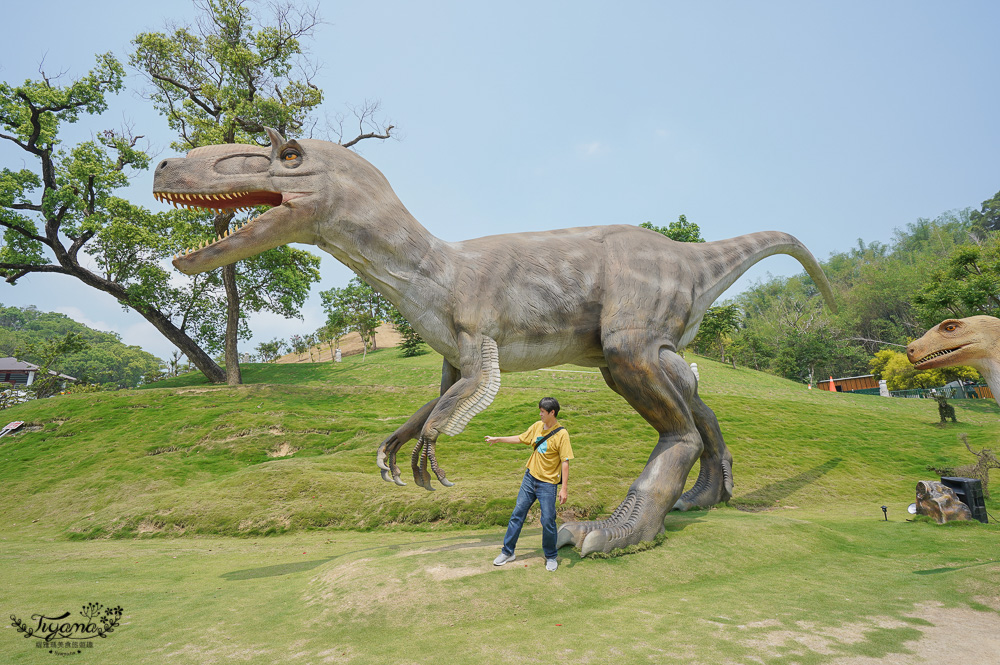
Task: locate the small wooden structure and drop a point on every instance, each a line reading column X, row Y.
column 849, row 383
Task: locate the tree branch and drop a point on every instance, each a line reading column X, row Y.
column 26, row 233
column 23, row 270
column 369, row 135
column 191, row 93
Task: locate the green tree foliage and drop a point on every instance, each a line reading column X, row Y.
column 103, row 359
column 223, row 81
column 787, row 330
column 272, row 350
column 987, row 218
column 682, row 230
column 335, row 328
column 717, row 328
column 968, row 284
column 66, row 206
column 412, row 344
column 51, row 353
column 899, row 374
column 362, row 307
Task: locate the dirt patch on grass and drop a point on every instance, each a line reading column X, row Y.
column 363, row 587
column 959, row 635
column 282, row 450
column 440, row 572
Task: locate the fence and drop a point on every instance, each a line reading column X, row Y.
column 977, row 391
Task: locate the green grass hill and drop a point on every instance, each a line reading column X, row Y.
column 250, row 525
column 293, row 449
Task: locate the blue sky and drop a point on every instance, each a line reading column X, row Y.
column 831, row 121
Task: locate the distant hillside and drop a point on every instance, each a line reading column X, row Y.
column 106, row 360
column 386, row 337
column 294, row 448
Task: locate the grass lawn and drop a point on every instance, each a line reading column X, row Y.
column 250, row 525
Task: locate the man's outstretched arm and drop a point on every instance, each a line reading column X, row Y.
column 503, row 439
column 564, row 492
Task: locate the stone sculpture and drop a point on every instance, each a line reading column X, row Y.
column 945, row 410
column 620, row 298
column 940, row 502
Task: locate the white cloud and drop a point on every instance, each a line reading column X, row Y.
column 77, row 315
column 591, row 149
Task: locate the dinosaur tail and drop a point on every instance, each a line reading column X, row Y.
column 725, row 261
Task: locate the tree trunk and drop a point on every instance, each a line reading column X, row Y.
column 233, row 375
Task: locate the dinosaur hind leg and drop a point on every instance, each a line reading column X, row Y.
column 659, row 385
column 385, row 458
column 715, row 476
column 471, row 394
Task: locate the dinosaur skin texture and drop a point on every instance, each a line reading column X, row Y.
column 974, row 341
column 620, row 298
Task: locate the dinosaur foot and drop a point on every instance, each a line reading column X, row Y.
column 635, row 520
column 424, row 455
column 385, row 459
column 714, row 485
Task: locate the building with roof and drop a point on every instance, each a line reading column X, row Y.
column 19, row 373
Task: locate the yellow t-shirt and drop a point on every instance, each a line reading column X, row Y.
column 545, row 463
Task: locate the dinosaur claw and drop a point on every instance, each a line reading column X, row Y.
column 595, row 541
column 566, row 536
column 380, row 458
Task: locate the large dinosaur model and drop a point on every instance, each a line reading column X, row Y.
column 974, row 341
column 620, row 298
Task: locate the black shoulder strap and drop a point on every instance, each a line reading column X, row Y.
column 546, row 437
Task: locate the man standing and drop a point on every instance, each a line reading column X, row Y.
column 546, row 468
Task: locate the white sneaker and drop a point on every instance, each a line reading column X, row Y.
column 551, row 565
column 502, row 559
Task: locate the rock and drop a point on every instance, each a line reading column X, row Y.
column 940, row 503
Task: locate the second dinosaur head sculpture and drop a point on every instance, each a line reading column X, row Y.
column 973, row 341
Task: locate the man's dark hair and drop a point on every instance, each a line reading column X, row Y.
column 549, row 404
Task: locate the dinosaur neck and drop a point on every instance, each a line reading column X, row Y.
column 391, row 250
column 990, row 369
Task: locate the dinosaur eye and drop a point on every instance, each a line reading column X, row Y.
column 290, row 155
column 951, row 327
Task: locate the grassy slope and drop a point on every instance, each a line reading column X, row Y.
column 185, row 457
column 818, row 578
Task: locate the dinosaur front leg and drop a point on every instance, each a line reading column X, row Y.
column 658, row 384
column 472, row 393
column 385, row 458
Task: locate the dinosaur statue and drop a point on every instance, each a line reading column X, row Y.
column 974, row 341
column 620, row 298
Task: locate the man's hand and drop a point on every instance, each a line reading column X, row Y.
column 562, row 495
column 491, row 439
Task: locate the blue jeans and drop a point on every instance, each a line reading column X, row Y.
column 531, row 489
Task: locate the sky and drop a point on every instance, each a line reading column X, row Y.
column 832, row 121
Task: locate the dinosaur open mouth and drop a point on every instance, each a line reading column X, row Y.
column 222, row 202
column 226, row 201
column 936, row 354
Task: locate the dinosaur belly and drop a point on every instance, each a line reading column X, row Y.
column 521, row 355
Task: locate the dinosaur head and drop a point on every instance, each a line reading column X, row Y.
column 974, row 341
column 285, row 176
